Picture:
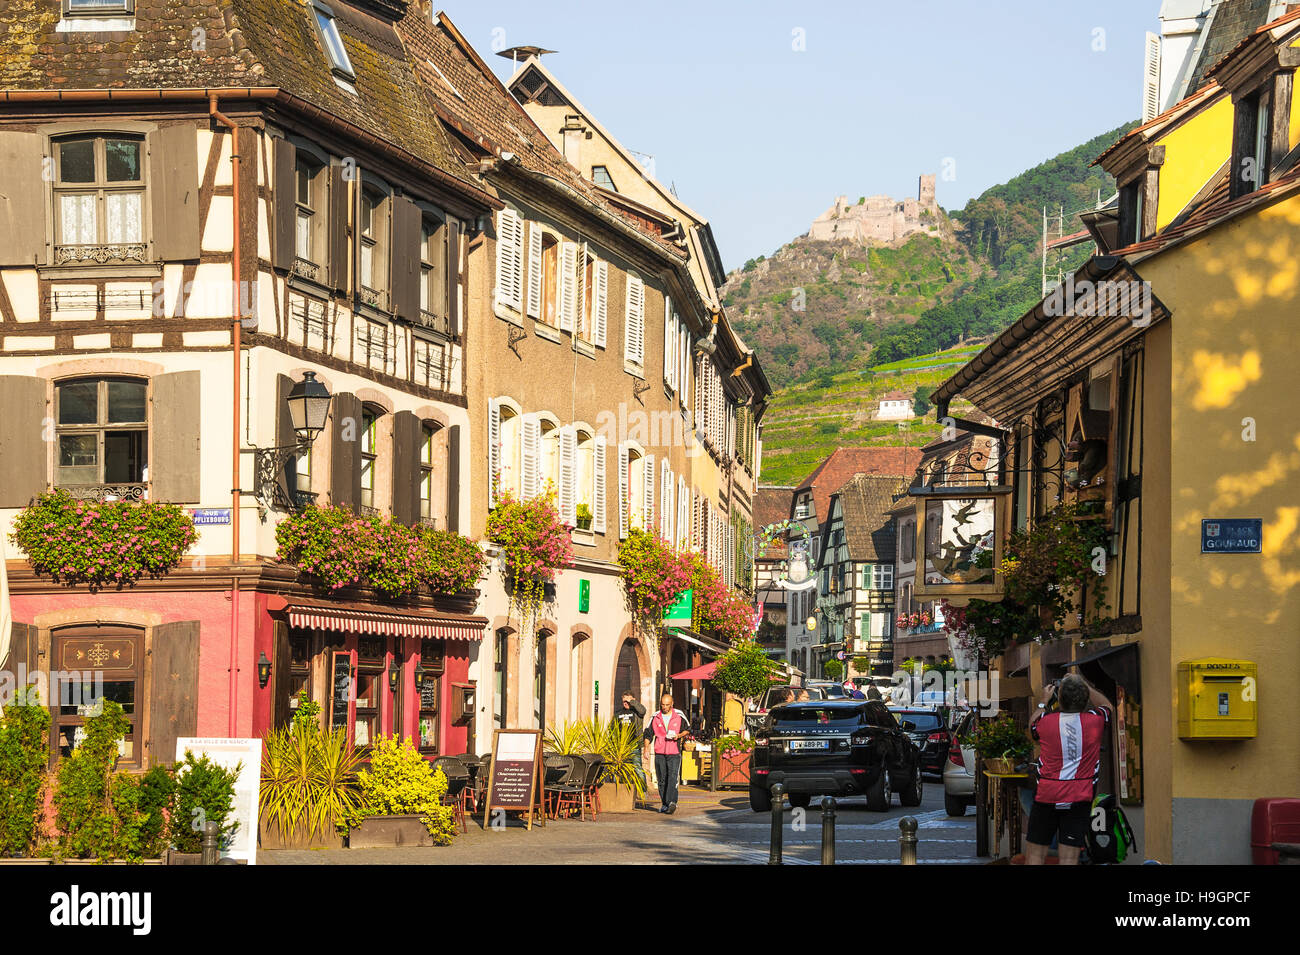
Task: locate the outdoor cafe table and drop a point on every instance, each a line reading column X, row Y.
column 1003, row 812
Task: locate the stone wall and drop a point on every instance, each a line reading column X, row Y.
column 877, row 218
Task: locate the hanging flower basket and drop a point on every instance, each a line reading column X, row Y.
column 534, row 544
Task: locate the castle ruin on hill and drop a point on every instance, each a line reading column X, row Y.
column 879, row 218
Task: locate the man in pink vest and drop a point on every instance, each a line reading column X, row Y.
column 667, row 729
column 1069, row 763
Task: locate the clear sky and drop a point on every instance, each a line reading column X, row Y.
column 760, row 136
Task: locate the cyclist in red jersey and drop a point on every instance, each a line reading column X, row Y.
column 1069, row 763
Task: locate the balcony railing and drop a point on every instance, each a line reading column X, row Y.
column 437, row 323
column 108, row 492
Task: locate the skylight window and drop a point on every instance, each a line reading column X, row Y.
column 600, row 176
column 329, row 32
column 97, row 7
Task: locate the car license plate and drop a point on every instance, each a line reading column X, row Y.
column 797, row 744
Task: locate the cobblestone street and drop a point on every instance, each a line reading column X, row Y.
column 717, row 828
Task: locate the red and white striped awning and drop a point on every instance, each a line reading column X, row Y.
column 387, row 624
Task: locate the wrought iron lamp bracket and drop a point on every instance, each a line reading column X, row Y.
column 268, row 466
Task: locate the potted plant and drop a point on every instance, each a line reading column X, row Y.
column 622, row 776
column 1000, row 743
column 584, row 517
column 401, row 800
column 731, row 760
column 201, row 792
column 24, row 752
column 309, row 786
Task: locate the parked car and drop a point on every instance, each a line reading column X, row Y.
column 929, row 733
column 834, row 748
column 830, row 689
column 959, row 767
column 754, row 720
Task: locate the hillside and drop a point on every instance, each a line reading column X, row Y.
column 879, row 306
column 809, row 420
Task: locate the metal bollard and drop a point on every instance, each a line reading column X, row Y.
column 828, row 830
column 211, row 850
column 907, row 840
column 778, row 810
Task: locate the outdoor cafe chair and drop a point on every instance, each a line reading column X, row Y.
column 591, row 782
column 457, row 784
column 570, row 793
column 556, row 769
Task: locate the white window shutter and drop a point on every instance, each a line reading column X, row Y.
column 568, row 294
column 534, row 270
column 568, row 475
column 634, row 326
column 601, row 319
column 665, row 501
column 684, row 363
column 598, row 479
column 683, row 521
column 648, row 496
column 623, row 492
column 731, row 554
column 669, row 357
column 581, row 320
column 509, row 260
column 1151, row 79
column 494, row 450
column 530, row 433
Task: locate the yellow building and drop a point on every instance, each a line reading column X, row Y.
column 1172, row 356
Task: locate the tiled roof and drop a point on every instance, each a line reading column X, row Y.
column 467, row 95
column 1234, row 21
column 866, row 502
column 257, row 43
column 771, row 506
column 843, row 463
column 1216, row 208
column 895, row 396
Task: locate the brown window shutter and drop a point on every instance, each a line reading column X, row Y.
column 453, row 275
column 22, row 199
column 281, row 675
column 174, row 466
column 173, row 168
column 338, row 229
column 284, row 435
column 406, row 467
column 345, row 455
column 285, row 197
column 23, row 453
column 406, row 259
column 174, row 689
column 453, row 478
column 22, row 649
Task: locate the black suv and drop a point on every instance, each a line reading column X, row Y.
column 834, row 748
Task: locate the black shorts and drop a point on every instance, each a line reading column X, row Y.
column 1071, row 822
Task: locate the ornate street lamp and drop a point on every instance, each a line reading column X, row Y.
column 309, row 403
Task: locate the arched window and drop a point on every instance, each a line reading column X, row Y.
column 102, row 432
column 548, row 464
column 636, row 500
column 509, row 473
column 426, row 472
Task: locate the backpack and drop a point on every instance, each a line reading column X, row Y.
column 1109, row 835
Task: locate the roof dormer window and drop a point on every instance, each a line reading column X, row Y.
column 98, row 8
column 1250, row 153
column 332, row 41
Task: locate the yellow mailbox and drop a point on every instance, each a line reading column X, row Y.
column 1216, row 699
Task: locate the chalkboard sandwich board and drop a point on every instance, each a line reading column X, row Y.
column 515, row 783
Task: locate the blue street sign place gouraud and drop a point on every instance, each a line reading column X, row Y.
column 1232, row 535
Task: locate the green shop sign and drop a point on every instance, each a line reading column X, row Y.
column 679, row 614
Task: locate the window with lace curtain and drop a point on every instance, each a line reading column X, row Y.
column 99, row 199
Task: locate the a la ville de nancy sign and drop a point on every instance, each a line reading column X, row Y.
column 1231, row 535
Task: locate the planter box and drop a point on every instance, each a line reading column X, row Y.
column 387, row 832
column 616, row 798
column 271, row 838
column 731, row 772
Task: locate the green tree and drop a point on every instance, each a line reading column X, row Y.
column 745, row 670
column 833, row 669
column 921, row 399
